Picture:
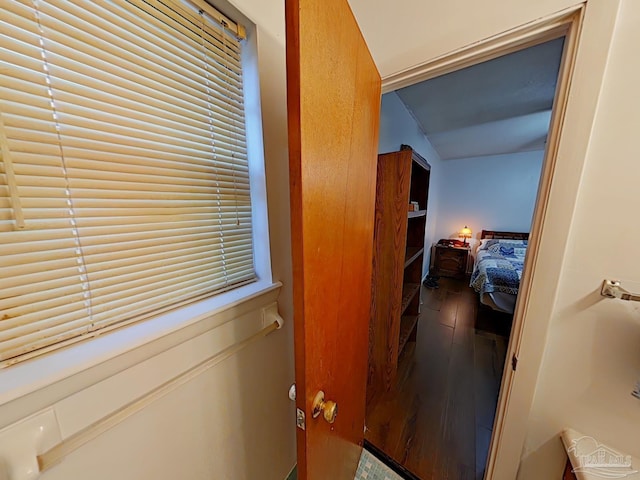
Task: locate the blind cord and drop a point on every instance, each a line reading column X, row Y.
column 235, row 136
column 82, row 268
column 205, row 60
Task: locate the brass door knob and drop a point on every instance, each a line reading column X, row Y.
column 328, row 408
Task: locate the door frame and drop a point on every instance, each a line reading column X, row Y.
column 588, row 27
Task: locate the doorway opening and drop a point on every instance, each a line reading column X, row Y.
column 488, row 154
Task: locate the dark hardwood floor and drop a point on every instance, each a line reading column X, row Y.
column 438, row 418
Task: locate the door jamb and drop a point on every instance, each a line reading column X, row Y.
column 568, row 138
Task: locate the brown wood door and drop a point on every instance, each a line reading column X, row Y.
column 334, row 109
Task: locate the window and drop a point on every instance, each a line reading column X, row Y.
column 124, row 177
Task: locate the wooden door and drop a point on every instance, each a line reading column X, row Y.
column 334, row 108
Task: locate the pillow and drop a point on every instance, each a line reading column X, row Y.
column 483, row 244
column 508, row 248
column 493, row 241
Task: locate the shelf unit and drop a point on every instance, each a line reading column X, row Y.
column 408, row 324
column 418, row 213
column 412, row 254
column 402, row 178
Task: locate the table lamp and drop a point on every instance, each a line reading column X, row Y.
column 464, row 234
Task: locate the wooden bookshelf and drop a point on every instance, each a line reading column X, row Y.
column 409, row 291
column 402, row 178
column 408, row 325
column 417, row 213
column 412, row 255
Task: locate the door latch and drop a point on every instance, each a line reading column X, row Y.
column 300, row 419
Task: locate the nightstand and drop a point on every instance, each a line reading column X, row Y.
column 449, row 261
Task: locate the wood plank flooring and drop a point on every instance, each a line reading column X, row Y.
column 438, row 418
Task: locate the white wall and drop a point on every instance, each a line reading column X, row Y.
column 397, row 127
column 492, row 193
column 232, row 422
column 592, row 356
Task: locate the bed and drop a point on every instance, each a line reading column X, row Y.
column 498, row 268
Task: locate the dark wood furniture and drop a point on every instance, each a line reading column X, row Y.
column 450, row 261
column 504, row 235
column 398, row 253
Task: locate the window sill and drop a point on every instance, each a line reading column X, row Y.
column 58, row 374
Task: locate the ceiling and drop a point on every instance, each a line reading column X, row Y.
column 498, row 107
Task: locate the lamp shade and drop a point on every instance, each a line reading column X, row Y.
column 465, row 232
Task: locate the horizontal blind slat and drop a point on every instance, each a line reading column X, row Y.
column 120, row 308
column 121, row 51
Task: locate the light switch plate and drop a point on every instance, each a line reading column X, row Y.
column 22, row 441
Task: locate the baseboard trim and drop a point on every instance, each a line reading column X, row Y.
column 293, row 474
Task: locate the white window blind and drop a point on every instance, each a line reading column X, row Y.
column 124, row 182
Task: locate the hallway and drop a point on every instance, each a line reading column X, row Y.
column 438, row 420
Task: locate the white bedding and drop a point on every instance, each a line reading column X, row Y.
column 503, row 302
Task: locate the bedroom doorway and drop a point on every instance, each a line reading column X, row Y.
column 434, row 431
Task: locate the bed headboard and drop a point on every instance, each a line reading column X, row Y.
column 504, row 235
